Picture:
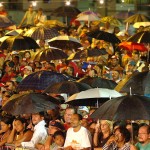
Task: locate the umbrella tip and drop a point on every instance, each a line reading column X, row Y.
column 130, row 91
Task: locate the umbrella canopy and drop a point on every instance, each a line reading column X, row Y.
column 88, row 53
column 5, row 22
column 40, row 80
column 138, row 24
column 53, row 23
column 98, row 82
column 50, row 54
column 137, row 18
column 42, row 32
column 30, row 103
column 66, row 11
column 92, row 96
column 19, row 43
column 138, row 83
column 111, row 20
column 65, row 42
column 14, row 32
column 101, row 35
column 140, row 37
column 130, row 107
column 133, row 46
column 68, row 87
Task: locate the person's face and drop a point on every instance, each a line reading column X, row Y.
column 115, row 75
column 8, row 68
column 104, row 126
column 9, row 86
column 27, row 71
column 59, row 140
column 131, row 68
column 143, row 135
column 118, row 136
column 135, row 57
column 27, row 55
column 19, row 126
column 30, row 9
column 36, row 118
column 84, row 123
column 4, row 127
column 114, row 62
column 67, row 115
column 5, row 99
column 75, row 122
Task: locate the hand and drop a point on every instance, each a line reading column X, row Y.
column 68, row 148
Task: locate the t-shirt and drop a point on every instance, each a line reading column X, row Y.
column 78, row 140
column 143, row 147
column 30, row 17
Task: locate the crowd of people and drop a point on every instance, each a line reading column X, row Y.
column 70, row 127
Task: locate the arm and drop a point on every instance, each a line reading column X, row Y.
column 24, row 18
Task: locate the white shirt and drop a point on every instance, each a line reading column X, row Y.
column 39, row 135
column 78, row 140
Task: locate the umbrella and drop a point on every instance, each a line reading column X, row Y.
column 133, row 46
column 88, row 16
column 87, row 53
column 65, row 42
column 138, row 24
column 19, row 43
column 42, row 32
column 137, row 18
column 92, row 96
column 111, row 20
column 30, row 103
column 5, row 22
column 98, row 82
column 138, row 83
column 130, row 107
column 14, row 32
column 53, row 23
column 40, row 80
column 101, row 35
column 66, row 11
column 140, row 37
column 49, row 54
column 68, row 87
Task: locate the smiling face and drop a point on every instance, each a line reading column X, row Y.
column 19, row 126
column 4, row 127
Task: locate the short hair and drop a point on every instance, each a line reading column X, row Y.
column 61, row 133
column 147, row 127
column 40, row 9
column 79, row 116
column 71, row 107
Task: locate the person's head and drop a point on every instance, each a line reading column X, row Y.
column 131, row 66
column 83, row 110
column 42, row 43
column 9, row 66
column 6, row 124
column 37, row 117
column 144, row 134
column 59, row 138
column 30, row 8
column 70, row 70
column 10, row 85
column 114, row 61
column 76, row 120
column 20, row 124
column 15, row 59
column 116, row 30
column 106, row 126
column 122, row 135
column 5, row 96
column 68, row 113
column 136, row 56
column 27, row 55
column 40, row 11
column 27, row 70
column 115, row 75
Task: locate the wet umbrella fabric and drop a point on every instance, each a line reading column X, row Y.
column 42, row 32
column 98, row 82
column 138, row 83
column 92, row 96
column 19, row 43
column 30, row 103
column 40, row 80
column 50, row 54
column 130, row 107
column 67, row 87
column 101, row 35
column 5, row 22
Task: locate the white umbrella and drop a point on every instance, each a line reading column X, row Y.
column 138, row 24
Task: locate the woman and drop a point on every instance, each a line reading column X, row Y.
column 5, row 131
column 103, row 132
column 19, row 132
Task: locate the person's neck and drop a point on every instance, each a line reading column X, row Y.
column 146, row 142
column 120, row 144
column 106, row 134
column 76, row 129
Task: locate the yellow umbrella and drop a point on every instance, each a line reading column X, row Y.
column 111, row 20
column 54, row 23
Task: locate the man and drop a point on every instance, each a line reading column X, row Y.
column 40, row 131
column 78, row 137
column 28, row 17
column 144, row 138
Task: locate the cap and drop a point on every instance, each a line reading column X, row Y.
column 132, row 63
column 56, row 124
column 28, row 67
column 114, row 57
column 83, row 108
column 2, row 84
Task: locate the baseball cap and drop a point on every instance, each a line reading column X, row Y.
column 132, row 63
column 28, row 67
column 114, row 57
column 83, row 108
column 56, row 124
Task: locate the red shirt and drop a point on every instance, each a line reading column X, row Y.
column 6, row 77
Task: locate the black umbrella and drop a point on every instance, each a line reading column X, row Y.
column 42, row 32
column 130, row 107
column 140, row 37
column 101, row 35
column 98, row 82
column 40, row 80
column 19, row 43
column 5, row 22
column 88, row 53
column 50, row 54
column 68, row 87
column 30, row 103
column 138, row 83
column 66, row 11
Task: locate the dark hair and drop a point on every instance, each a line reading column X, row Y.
column 61, row 133
column 119, row 123
column 79, row 116
column 7, row 120
column 147, row 127
column 125, row 133
column 73, row 108
column 42, row 113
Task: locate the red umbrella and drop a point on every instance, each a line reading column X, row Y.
column 132, row 46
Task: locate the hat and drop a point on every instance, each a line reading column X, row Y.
column 83, row 108
column 2, row 84
column 28, row 67
column 114, row 57
column 56, row 124
column 132, row 63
